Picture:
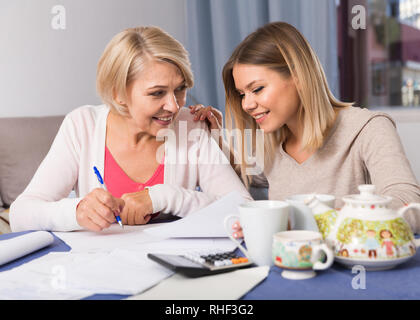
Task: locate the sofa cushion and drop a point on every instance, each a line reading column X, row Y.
column 24, row 142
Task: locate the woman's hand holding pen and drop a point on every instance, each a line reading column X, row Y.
column 138, row 208
column 97, row 210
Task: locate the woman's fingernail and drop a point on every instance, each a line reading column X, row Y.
column 235, row 235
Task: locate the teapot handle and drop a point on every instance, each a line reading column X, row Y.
column 408, row 206
column 405, row 208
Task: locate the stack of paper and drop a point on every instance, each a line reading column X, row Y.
column 76, row 275
column 115, row 261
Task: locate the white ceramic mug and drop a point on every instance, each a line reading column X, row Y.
column 259, row 220
column 300, row 252
column 301, row 216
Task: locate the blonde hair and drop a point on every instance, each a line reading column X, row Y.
column 125, row 56
column 281, row 47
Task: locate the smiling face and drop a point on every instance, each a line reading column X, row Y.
column 268, row 96
column 155, row 97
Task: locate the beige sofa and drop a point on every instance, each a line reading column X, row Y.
column 24, row 142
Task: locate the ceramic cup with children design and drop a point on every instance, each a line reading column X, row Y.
column 260, row 220
column 300, row 252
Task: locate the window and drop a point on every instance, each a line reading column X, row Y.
column 380, row 65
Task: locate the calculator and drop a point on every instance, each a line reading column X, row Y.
column 196, row 264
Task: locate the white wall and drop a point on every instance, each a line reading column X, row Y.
column 410, row 136
column 50, row 72
column 408, row 127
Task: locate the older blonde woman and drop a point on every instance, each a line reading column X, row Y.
column 313, row 142
column 150, row 153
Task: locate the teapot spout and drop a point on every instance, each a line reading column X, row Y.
column 309, row 199
column 317, row 206
column 325, row 215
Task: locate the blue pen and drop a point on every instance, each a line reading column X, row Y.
column 102, row 182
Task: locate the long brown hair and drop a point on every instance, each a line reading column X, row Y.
column 281, row 47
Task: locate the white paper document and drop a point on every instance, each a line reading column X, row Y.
column 106, row 240
column 14, row 248
column 114, row 261
column 207, row 222
column 119, row 272
column 127, row 271
column 226, row 286
column 44, row 278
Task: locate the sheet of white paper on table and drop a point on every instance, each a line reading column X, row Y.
column 68, row 275
column 43, row 278
column 115, row 260
column 105, row 241
column 226, row 286
column 206, row 222
column 129, row 270
column 120, row 272
column 181, row 245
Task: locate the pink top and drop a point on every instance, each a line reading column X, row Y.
column 118, row 182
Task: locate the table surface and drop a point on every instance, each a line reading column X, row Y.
column 335, row 283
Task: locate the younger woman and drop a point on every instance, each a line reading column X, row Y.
column 313, row 142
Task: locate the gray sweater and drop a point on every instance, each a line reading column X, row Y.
column 363, row 147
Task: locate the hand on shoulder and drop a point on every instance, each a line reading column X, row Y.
column 209, row 114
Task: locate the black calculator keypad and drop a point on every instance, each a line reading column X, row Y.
column 196, row 264
column 218, row 259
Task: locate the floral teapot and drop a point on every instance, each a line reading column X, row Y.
column 366, row 231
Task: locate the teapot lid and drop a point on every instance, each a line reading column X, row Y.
column 367, row 196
